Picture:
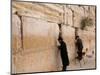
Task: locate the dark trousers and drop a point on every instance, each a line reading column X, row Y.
column 79, row 55
column 64, row 68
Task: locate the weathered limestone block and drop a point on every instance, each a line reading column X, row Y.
column 93, row 11
column 49, row 12
column 16, row 36
column 36, row 61
column 69, row 17
column 40, row 49
column 78, row 15
column 88, row 38
column 16, row 42
column 36, row 30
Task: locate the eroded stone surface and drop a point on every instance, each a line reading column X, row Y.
column 40, row 33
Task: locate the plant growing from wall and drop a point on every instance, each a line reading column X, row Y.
column 86, row 22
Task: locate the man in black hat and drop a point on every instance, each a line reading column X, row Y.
column 79, row 46
column 64, row 53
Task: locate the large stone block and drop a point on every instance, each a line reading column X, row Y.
column 40, row 48
column 88, row 38
column 16, row 36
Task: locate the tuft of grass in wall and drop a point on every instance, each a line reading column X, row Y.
column 86, row 22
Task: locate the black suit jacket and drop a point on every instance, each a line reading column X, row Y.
column 64, row 53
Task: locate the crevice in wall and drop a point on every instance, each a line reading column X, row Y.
column 21, row 30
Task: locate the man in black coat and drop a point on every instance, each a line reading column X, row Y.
column 79, row 46
column 64, row 53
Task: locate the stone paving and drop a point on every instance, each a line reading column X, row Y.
column 88, row 62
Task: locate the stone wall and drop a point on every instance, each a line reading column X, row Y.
column 35, row 31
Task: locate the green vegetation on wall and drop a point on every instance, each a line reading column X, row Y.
column 86, row 22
